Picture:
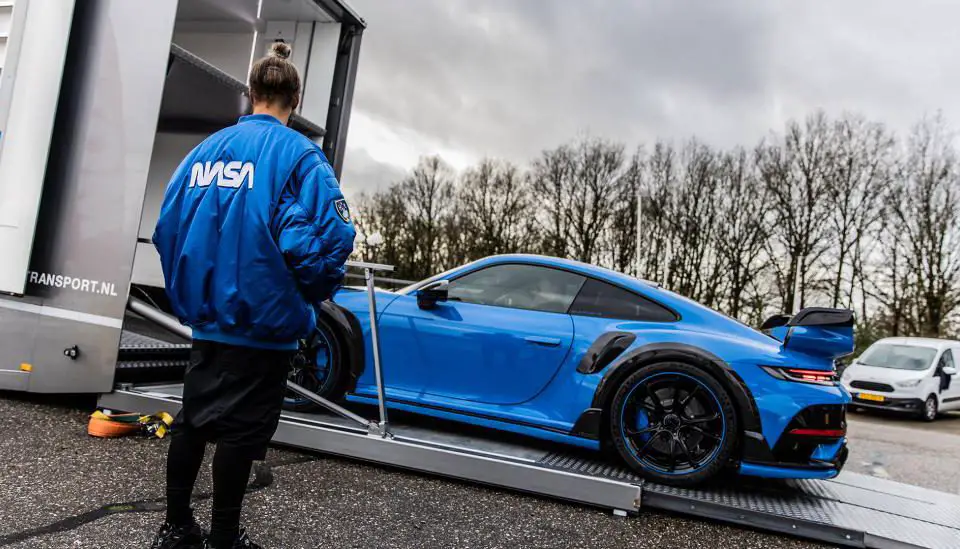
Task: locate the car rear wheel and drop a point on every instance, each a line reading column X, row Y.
column 930, row 409
column 673, row 423
column 318, row 367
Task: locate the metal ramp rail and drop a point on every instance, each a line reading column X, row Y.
column 851, row 511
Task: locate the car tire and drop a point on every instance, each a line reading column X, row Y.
column 681, row 446
column 319, row 367
column 930, row 409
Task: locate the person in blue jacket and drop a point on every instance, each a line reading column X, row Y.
column 253, row 233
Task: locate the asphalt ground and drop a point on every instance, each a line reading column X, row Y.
column 60, row 488
column 904, row 449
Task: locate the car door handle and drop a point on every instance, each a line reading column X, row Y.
column 545, row 341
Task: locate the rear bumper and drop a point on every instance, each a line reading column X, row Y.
column 813, row 445
column 815, row 469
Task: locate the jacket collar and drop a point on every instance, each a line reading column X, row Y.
column 259, row 118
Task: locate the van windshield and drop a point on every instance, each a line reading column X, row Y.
column 901, row 357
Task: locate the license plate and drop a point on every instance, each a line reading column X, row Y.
column 875, row 398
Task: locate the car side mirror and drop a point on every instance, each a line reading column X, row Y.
column 950, row 370
column 431, row 294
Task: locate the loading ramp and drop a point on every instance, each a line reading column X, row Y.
column 851, row 510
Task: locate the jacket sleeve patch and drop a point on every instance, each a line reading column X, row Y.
column 342, row 210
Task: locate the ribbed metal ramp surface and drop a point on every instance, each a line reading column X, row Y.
column 133, row 344
column 852, row 510
column 144, row 358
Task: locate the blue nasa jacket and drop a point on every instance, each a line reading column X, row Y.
column 253, row 232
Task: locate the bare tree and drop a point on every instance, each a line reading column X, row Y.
column 797, row 175
column 862, row 161
column 428, row 199
column 692, row 217
column 414, row 218
column 595, row 186
column 659, row 183
column 576, row 187
column 743, row 230
column 384, row 212
column 893, row 289
column 552, row 176
column 620, row 243
column 457, row 246
column 496, row 210
column 927, row 221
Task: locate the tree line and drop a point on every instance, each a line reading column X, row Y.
column 835, row 212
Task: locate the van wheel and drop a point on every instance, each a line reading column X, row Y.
column 930, row 409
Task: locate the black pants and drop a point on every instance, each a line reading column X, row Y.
column 231, row 396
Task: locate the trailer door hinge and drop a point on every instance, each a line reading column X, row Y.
column 72, row 352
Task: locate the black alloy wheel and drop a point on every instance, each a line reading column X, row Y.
column 673, row 424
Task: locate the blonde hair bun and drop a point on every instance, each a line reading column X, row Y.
column 280, row 49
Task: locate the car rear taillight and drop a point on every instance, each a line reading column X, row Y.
column 811, row 375
column 817, row 377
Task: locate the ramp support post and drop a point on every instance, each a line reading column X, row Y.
column 383, row 428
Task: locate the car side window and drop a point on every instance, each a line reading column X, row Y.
column 946, row 359
column 519, row 287
column 600, row 299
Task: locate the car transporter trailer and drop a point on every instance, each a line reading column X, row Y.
column 100, row 99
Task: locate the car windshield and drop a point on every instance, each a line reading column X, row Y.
column 900, row 357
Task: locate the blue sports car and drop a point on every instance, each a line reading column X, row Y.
column 586, row 356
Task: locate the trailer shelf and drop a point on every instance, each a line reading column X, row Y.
column 200, row 98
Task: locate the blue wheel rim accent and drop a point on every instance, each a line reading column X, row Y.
column 642, row 419
column 314, row 375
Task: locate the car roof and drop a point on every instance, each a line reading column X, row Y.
column 687, row 309
column 573, row 265
column 921, row 342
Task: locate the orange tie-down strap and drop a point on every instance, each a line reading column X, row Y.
column 107, row 425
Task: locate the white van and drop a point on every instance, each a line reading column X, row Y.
column 907, row 374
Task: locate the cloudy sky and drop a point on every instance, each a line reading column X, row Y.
column 507, row 78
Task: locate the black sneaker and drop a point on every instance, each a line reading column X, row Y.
column 171, row 536
column 243, row 541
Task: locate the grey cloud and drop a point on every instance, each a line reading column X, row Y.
column 509, row 78
column 363, row 173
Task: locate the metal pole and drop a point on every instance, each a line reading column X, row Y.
column 669, row 258
column 333, row 407
column 796, row 286
column 159, row 318
column 375, row 335
column 636, row 257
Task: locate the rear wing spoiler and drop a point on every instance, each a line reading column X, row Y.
column 811, row 316
column 816, row 331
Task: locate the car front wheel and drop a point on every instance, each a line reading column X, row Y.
column 673, row 423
